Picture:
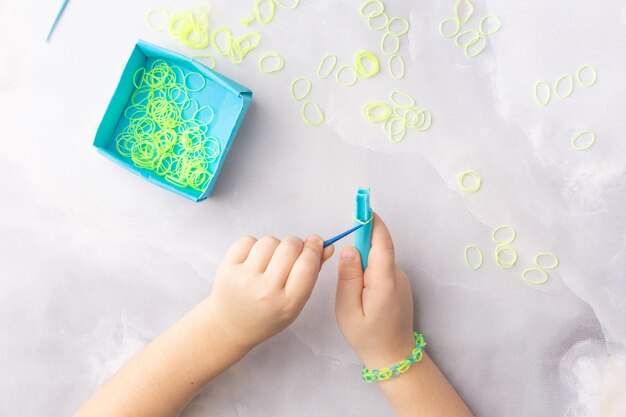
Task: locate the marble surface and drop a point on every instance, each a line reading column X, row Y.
column 95, row 262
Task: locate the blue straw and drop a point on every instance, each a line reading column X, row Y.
column 341, row 236
column 56, row 20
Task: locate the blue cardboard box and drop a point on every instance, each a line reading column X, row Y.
column 228, row 100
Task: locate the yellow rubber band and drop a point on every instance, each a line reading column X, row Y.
column 499, row 259
column 247, row 19
column 306, row 92
column 280, row 63
column 555, row 260
column 402, row 31
column 535, row 282
column 457, row 10
column 395, row 43
column 473, row 174
column 467, row 262
column 272, row 11
column 485, row 20
column 375, row 12
column 151, row 23
column 570, row 90
column 538, row 99
column 369, row 112
column 401, row 99
column 288, row 6
column 363, row 72
column 323, row 62
column 350, row 82
column 210, row 57
column 593, row 79
column 581, row 134
column 494, row 235
column 475, row 47
column 390, row 66
column 443, row 24
column 395, row 135
column 385, row 17
column 462, row 35
column 362, row 223
column 229, row 40
column 303, row 113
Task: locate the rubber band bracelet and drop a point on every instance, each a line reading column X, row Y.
column 374, row 375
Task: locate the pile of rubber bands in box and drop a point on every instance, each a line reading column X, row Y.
column 159, row 137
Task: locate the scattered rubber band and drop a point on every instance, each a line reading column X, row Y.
column 381, row 27
column 557, row 90
column 402, row 31
column 351, row 81
column 151, row 23
column 280, row 63
column 370, row 109
column 467, row 262
column 494, row 235
column 307, row 91
column 303, row 113
column 460, row 36
column 538, row 99
column 555, row 260
column 443, row 24
column 473, row 174
column 229, row 40
column 475, row 47
column 395, row 135
column 190, row 28
column 272, row 11
column 363, row 72
column 485, row 20
column 581, row 134
column 457, row 10
column 401, row 99
column 499, row 259
column 395, row 44
column 535, row 282
column 375, row 12
column 288, row 6
column 325, row 74
column 593, row 79
column 390, row 66
column 210, row 57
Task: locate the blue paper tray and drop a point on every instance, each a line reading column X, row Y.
column 229, row 101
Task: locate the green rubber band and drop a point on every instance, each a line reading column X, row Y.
column 395, row 44
column 360, row 69
column 535, row 282
column 475, row 47
column 570, row 90
column 390, row 66
column 480, row 255
column 402, row 31
column 303, row 113
column 199, row 75
column 485, row 20
column 370, row 110
column 457, row 10
column 385, row 17
column 375, row 12
column 400, row 367
column 499, row 259
column 555, row 260
column 581, row 134
column 348, row 83
column 280, row 63
column 272, row 11
column 473, row 174
column 494, row 235
column 538, row 99
column 460, row 36
column 594, row 79
column 307, row 91
column 323, row 62
column 443, row 23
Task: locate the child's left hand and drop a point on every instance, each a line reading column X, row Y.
column 262, row 285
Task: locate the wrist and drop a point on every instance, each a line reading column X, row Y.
column 389, row 352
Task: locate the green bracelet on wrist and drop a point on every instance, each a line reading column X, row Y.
column 373, row 375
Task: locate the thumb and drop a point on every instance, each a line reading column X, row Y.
column 349, row 284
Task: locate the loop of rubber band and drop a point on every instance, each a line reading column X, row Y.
column 397, row 98
column 381, row 27
column 370, row 109
column 558, row 83
column 545, row 102
column 555, row 260
column 443, row 23
column 593, row 71
column 272, row 11
column 210, row 57
column 396, row 43
column 152, row 25
column 189, row 76
column 457, row 39
column 400, row 32
column 494, row 235
column 317, row 108
column 279, row 65
column 485, row 19
column 469, row 13
column 467, row 262
column 247, row 19
column 376, row 12
column 321, row 74
column 473, row 174
column 535, row 282
column 306, row 92
column 362, row 223
column 190, row 28
column 288, row 6
column 229, row 40
column 580, row 134
column 390, row 66
column 200, row 110
column 350, row 82
column 395, row 135
column 469, row 49
column 360, row 69
column 501, row 262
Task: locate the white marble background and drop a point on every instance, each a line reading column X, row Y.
column 95, row 262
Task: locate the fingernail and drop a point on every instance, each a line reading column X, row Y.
column 316, row 240
column 348, row 255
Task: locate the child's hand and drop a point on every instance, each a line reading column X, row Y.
column 262, row 285
column 375, row 309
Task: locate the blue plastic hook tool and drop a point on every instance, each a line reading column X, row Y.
column 341, row 236
column 363, row 216
column 56, row 19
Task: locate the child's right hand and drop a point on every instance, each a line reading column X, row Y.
column 375, row 309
